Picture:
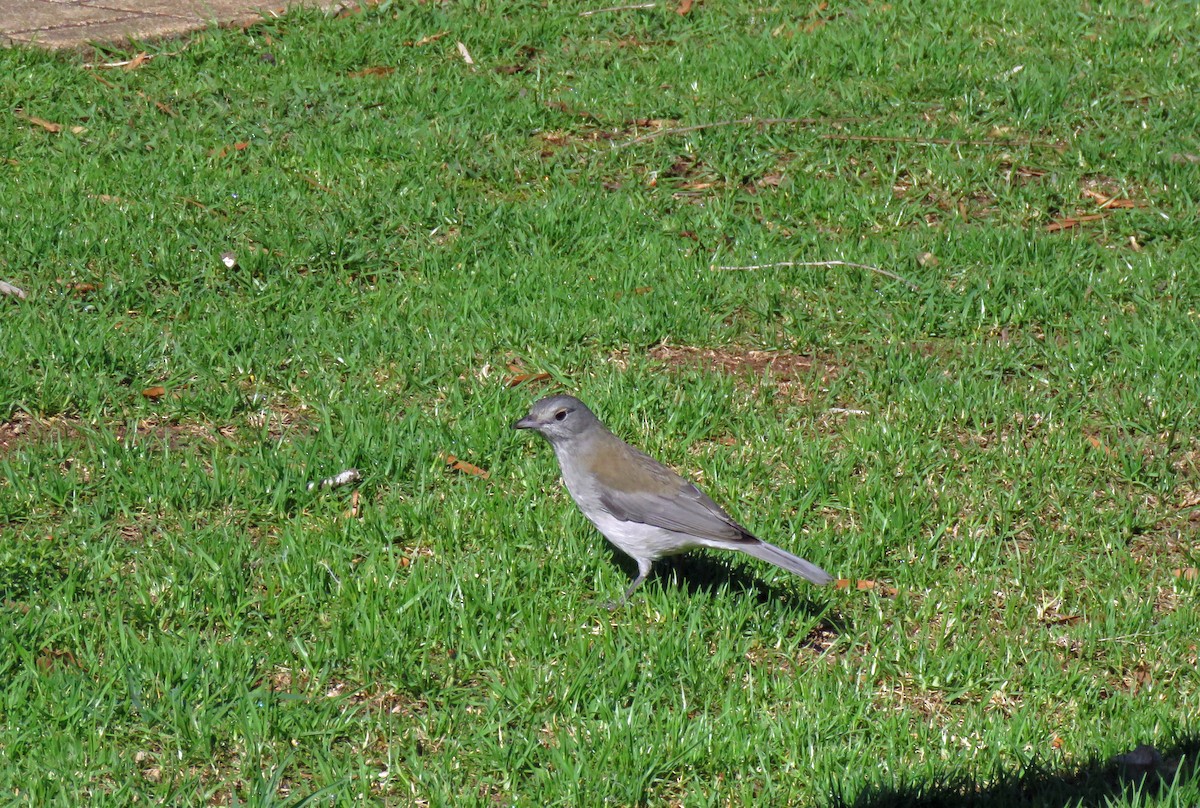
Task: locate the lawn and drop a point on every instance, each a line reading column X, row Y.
column 910, row 289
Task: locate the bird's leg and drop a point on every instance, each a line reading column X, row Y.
column 644, row 565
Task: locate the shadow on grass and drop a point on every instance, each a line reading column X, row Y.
column 1144, row 775
column 700, row 572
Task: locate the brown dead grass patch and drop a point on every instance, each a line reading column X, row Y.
column 24, row 430
column 794, row 375
column 905, row 697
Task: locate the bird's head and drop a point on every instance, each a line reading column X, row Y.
column 559, row 419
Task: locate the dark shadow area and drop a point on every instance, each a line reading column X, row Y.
column 708, row 573
column 1096, row 784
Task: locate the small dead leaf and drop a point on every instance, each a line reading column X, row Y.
column 865, row 585
column 108, row 199
column 49, row 126
column 1186, row 573
column 526, row 378
column 353, row 511
column 224, row 150
column 1056, row 742
column 638, row 290
column 154, row 393
column 78, row 130
column 684, row 7
column 465, row 54
column 521, row 375
column 1184, row 158
column 773, row 180
column 426, row 40
column 229, row 259
column 405, row 562
column 137, row 61
column 378, row 70
column 927, row 259
column 1098, row 444
column 464, row 467
column 51, row 658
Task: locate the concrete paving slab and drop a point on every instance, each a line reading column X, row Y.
column 59, row 24
column 17, row 16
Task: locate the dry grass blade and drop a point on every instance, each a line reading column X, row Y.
column 1069, row 222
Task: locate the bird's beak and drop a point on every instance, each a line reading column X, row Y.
column 525, row 423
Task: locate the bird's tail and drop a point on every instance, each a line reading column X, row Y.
column 782, row 558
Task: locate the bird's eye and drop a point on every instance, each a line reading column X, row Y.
column 560, row 415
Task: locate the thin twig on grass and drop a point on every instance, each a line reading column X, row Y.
column 750, row 119
column 845, row 411
column 939, row 141
column 783, row 264
column 134, row 63
column 616, row 8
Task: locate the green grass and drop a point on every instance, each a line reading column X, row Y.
column 185, row 622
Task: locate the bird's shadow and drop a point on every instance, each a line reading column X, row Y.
column 700, row 573
column 1097, row 783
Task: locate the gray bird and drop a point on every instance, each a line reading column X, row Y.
column 646, row 510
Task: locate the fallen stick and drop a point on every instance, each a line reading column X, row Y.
column 750, row 119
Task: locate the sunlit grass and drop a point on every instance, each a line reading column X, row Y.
column 1007, row 453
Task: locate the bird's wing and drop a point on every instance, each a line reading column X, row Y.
column 677, row 505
